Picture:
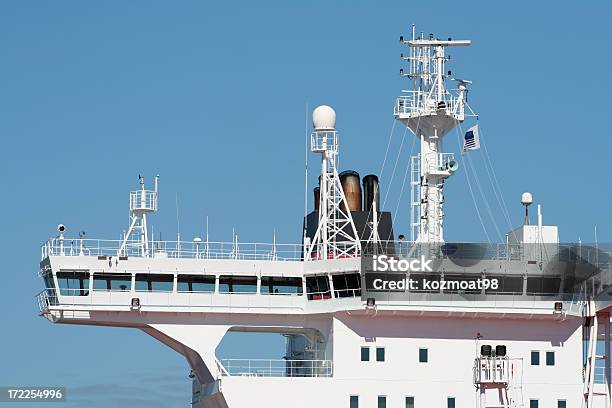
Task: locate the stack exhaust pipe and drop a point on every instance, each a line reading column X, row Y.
column 352, row 190
column 371, row 192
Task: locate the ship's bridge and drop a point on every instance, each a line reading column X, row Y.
column 90, row 274
column 84, row 275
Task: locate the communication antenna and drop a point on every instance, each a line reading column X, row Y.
column 526, row 200
column 178, row 228
column 336, row 235
column 430, row 110
column 142, row 203
column 206, row 246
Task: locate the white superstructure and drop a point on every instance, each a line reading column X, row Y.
column 347, row 346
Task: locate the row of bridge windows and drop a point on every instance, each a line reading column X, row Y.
column 76, row 283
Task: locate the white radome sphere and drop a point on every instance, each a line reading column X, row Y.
column 324, row 118
column 526, row 198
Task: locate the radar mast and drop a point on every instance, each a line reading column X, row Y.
column 430, row 110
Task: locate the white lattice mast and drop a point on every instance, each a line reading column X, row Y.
column 336, row 235
column 142, row 202
column 430, row 110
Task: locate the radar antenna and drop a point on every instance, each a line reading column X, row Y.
column 336, row 235
column 430, row 110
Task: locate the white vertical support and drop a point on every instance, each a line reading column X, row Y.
column 142, row 202
column 430, row 110
column 336, row 235
column 591, row 356
column 607, row 357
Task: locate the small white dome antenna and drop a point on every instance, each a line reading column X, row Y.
column 526, row 200
column 324, row 118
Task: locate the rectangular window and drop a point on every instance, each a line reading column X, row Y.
column 73, row 283
column 548, row 286
column 409, row 402
column 365, row 354
column 112, row 282
column 550, row 358
column 278, row 285
column 49, row 281
column 153, row 282
column 237, row 284
column 450, row 402
column 195, row 283
column 354, row 401
column 561, row 404
column 533, row 403
column 535, row 358
column 380, row 354
column 382, row 401
column 423, row 357
column 347, row 285
column 317, row 287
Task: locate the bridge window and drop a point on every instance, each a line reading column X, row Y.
column 382, row 401
column 112, row 281
column 550, row 358
column 48, row 277
column 450, row 402
column 423, row 355
column 317, row 287
column 277, row 285
column 380, row 354
column 354, row 402
column 533, row 403
column 237, row 284
column 409, row 402
column 347, row 285
column 561, row 404
column 151, row 282
column 535, row 358
column 196, row 283
column 538, row 286
column 365, row 354
column 73, row 283
column 508, row 285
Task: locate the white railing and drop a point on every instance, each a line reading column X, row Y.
column 145, row 200
column 276, row 368
column 45, row 300
column 173, row 249
column 102, row 299
column 488, row 370
column 420, row 103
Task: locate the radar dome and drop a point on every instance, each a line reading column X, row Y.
column 324, row 118
column 526, row 198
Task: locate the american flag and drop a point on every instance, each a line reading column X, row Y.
column 471, row 140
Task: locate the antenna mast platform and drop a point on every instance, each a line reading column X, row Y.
column 430, row 110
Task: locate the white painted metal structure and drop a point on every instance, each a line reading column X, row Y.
column 142, row 202
column 341, row 350
column 336, row 236
column 430, row 110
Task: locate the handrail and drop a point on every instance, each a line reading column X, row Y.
column 276, row 367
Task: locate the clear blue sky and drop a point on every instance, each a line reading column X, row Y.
column 212, row 96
